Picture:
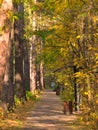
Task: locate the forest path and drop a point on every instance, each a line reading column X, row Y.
column 47, row 114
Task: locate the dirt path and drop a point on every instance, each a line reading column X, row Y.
column 48, row 115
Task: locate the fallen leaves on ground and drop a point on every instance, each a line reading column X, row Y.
column 15, row 119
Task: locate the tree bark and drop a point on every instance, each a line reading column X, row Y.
column 42, row 75
column 26, row 65
column 33, row 72
column 19, row 41
column 33, row 42
column 5, row 36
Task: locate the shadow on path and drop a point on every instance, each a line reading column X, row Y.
column 48, row 115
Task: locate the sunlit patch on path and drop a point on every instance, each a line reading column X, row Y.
column 48, row 115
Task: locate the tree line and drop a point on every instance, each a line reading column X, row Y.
column 55, row 39
column 19, row 47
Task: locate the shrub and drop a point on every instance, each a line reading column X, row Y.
column 17, row 100
column 31, row 96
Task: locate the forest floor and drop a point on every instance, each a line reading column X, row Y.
column 46, row 114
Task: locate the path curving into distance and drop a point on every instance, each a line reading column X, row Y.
column 48, row 115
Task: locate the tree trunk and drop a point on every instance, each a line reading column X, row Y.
column 19, row 25
column 33, row 72
column 7, row 95
column 33, row 41
column 38, row 78
column 26, row 64
column 5, row 36
column 41, row 75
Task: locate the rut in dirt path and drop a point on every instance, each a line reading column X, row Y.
column 48, row 115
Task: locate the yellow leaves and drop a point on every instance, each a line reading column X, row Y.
column 17, row 101
column 81, row 118
column 97, row 102
column 80, row 74
column 93, row 115
column 79, row 62
column 9, row 14
column 96, row 35
column 78, row 37
column 86, row 93
column 96, row 58
column 95, row 19
column 1, row 113
column 81, row 77
column 63, row 52
column 1, row 2
column 60, row 6
column 97, row 99
column 1, row 30
column 58, row 28
column 96, row 95
column 90, row 48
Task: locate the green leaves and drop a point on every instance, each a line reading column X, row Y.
column 44, row 32
column 17, row 1
column 34, row 7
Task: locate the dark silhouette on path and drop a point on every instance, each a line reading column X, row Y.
column 48, row 115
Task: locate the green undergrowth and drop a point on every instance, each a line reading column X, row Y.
column 33, row 96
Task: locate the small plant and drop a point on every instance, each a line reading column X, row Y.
column 17, row 101
column 32, row 96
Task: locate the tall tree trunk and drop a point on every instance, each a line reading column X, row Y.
column 26, row 65
column 33, row 71
column 5, row 36
column 42, row 75
column 38, row 78
column 19, row 25
column 7, row 95
column 40, row 69
column 41, row 66
column 33, row 64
